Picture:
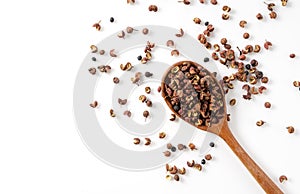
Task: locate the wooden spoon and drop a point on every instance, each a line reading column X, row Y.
column 218, row 125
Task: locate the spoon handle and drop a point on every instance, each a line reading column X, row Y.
column 261, row 177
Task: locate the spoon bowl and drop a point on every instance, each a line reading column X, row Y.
column 194, row 95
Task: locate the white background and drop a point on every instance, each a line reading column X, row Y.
column 42, row 44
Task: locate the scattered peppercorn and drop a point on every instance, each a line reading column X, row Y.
column 259, row 16
column 290, row 129
column 243, row 23
column 264, row 80
column 139, row 57
column 146, row 114
column 169, row 146
column 246, row 35
column 112, row 19
column 173, row 149
column 208, row 157
column 292, row 55
column 176, row 177
column 203, row 161
column 181, row 147
column 232, row 102
column 206, row 23
column 212, row 144
column 260, row 123
column 116, row 80
column 267, row 104
column 148, row 74
column 282, row 178
column 167, row 153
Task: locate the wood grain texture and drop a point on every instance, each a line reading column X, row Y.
column 260, row 176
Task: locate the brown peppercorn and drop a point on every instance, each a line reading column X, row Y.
column 223, row 41
column 296, row 83
column 116, row 80
column 145, row 31
column 149, row 103
column 197, row 20
column 282, row 178
column 127, row 113
column 261, row 89
column 214, row 2
column 227, row 46
column 148, row 90
column 292, row 55
column 175, row 52
column 94, row 104
column 208, row 157
column 273, row 15
column 243, row 23
column 260, row 123
column 225, row 16
column 142, row 98
column 190, row 164
column 159, row 89
column 162, row 135
column 267, row 45
column 148, row 141
column 256, row 48
column 102, row 52
column 242, row 57
column 176, row 177
column 264, row 80
column 232, row 102
column 92, row 70
column 226, row 8
column 153, row 8
column 202, row 1
column 216, row 47
column 167, row 153
column 267, row 104
column 136, row 141
column 169, row 145
column 131, row 1
column 146, row 114
column 290, row 129
column 246, row 35
column 111, row 112
column 182, row 171
column 198, row 167
column 284, row 2
column 181, row 146
column 192, row 146
column 173, row 117
column 259, row 16
column 186, row 2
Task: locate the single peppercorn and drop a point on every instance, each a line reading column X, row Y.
column 259, row 74
column 248, row 66
column 176, row 108
column 292, row 55
column 203, row 161
column 139, row 57
column 212, row 144
column 94, row 59
column 206, row 59
column 267, row 104
column 173, row 149
column 206, row 23
column 112, row 19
